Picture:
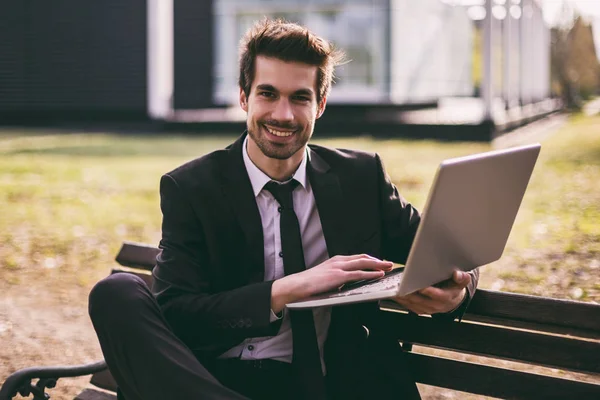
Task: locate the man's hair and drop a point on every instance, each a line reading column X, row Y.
column 289, row 42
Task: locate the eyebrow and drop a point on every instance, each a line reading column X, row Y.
column 271, row 88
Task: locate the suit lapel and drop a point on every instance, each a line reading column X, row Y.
column 330, row 203
column 237, row 189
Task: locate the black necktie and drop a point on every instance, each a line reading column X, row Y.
column 305, row 359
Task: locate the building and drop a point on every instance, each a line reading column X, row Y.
column 175, row 61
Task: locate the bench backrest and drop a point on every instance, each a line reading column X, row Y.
column 528, row 329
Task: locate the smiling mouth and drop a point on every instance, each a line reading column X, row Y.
column 279, row 133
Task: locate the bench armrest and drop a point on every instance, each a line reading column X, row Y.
column 20, row 381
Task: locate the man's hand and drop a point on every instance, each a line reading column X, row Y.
column 326, row 276
column 441, row 298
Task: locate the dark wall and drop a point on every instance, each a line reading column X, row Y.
column 69, row 57
column 193, row 52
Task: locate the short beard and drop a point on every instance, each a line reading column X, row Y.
column 275, row 151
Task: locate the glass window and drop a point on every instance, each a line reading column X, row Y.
column 358, row 27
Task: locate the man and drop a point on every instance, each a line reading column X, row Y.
column 265, row 222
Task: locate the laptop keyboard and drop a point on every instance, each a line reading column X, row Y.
column 390, row 281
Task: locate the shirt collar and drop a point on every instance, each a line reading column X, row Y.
column 259, row 179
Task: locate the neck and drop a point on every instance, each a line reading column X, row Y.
column 276, row 169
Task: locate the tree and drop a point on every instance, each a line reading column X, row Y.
column 574, row 64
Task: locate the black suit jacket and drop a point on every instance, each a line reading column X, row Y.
column 209, row 275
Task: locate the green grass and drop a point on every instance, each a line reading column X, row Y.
column 564, row 194
column 558, row 225
column 69, row 200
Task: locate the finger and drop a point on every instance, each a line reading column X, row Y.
column 458, row 280
column 360, row 275
column 461, row 278
column 413, row 300
column 385, row 265
column 411, row 305
column 417, row 301
column 355, row 257
column 417, row 298
column 434, row 293
column 364, row 263
column 443, row 295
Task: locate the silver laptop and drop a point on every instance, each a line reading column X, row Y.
column 465, row 223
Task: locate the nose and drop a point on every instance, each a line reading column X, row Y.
column 283, row 111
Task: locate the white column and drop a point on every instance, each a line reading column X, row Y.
column 547, row 59
column 160, row 58
column 506, row 55
column 529, row 58
column 487, row 83
column 517, row 55
column 535, row 54
column 523, row 59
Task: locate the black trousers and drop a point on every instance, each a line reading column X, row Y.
column 149, row 362
column 144, row 356
column 260, row 379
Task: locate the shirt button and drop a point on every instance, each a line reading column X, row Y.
column 281, row 254
column 250, row 347
column 280, row 209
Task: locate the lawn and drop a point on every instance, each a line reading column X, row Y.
column 68, row 200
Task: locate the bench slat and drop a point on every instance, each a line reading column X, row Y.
column 530, row 326
column 104, row 380
column 552, row 315
column 566, row 313
column 537, row 348
column 496, row 382
column 136, row 255
column 91, row 394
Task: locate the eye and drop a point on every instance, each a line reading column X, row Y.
column 302, row 98
column 268, row 95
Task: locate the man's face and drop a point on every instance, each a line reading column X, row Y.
column 282, row 106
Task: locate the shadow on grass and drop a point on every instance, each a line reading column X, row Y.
column 112, row 145
column 589, row 155
column 94, row 151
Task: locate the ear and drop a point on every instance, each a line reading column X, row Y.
column 243, row 100
column 321, row 107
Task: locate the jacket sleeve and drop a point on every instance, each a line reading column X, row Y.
column 197, row 313
column 400, row 221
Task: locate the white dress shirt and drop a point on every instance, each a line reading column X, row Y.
column 315, row 252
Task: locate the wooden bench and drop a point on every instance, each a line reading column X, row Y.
column 563, row 335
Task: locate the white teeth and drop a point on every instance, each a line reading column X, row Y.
column 279, row 133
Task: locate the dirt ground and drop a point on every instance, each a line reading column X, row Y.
column 38, row 330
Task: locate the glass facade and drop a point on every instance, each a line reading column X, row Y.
column 431, row 51
column 358, row 27
column 400, row 51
